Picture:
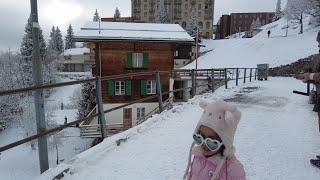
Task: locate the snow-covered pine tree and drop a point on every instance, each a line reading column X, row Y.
column 87, row 101
column 10, row 79
column 117, row 13
column 278, row 12
column 51, row 40
column 253, row 25
column 162, row 16
column 192, row 24
column 96, row 16
column 258, row 23
column 26, row 49
column 69, row 38
column 58, row 41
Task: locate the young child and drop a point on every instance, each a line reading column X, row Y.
column 214, row 135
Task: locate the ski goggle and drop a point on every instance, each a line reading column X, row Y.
column 212, row 144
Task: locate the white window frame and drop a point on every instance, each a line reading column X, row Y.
column 141, row 112
column 151, row 87
column 137, row 60
column 120, row 88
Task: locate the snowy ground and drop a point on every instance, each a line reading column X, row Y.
column 21, row 162
column 276, row 50
column 276, row 137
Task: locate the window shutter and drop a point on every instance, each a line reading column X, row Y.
column 145, row 60
column 111, row 88
column 128, row 88
column 143, row 87
column 129, row 60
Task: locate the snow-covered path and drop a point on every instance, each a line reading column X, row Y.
column 276, row 137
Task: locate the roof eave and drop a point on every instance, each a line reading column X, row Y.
column 101, row 39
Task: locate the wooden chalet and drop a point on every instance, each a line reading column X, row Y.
column 123, row 48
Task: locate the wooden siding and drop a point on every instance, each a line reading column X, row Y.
column 114, row 61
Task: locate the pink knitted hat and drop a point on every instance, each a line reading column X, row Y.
column 223, row 118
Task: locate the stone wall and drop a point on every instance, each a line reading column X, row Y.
column 297, row 67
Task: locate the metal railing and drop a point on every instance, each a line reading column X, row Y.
column 217, row 74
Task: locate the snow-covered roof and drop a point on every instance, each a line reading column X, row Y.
column 132, row 32
column 76, row 51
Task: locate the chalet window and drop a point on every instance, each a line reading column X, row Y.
column 137, row 60
column 141, row 113
column 120, row 88
column 151, row 87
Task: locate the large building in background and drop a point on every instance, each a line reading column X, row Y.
column 180, row 10
column 240, row 22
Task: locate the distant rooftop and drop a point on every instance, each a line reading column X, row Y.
column 119, row 31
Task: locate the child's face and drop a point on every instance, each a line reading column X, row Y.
column 206, row 132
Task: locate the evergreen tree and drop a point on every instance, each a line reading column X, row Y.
column 87, row 101
column 258, row 23
column 163, row 14
column 253, row 25
column 96, row 16
column 52, row 35
column 58, row 41
column 26, row 50
column 69, row 38
column 117, row 13
column 278, row 13
column 192, row 24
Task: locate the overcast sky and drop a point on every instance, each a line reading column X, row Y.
column 14, row 14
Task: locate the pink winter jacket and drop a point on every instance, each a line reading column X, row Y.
column 201, row 167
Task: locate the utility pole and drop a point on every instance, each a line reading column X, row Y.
column 38, row 94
